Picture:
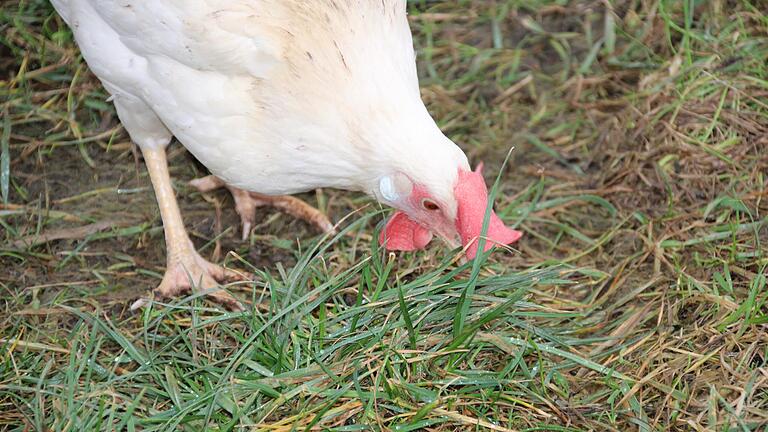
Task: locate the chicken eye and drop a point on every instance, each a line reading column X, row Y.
column 430, row 205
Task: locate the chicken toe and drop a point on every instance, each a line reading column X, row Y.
column 246, row 203
column 189, row 272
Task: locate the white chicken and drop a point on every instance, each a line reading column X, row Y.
column 279, row 97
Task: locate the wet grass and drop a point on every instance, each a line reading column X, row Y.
column 636, row 299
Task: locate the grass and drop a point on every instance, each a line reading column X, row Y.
column 636, row 300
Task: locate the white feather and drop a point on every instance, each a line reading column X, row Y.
column 274, row 96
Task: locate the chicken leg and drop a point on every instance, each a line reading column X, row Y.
column 246, row 203
column 186, row 270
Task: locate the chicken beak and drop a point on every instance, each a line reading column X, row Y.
column 449, row 235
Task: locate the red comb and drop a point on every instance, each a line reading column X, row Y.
column 472, row 196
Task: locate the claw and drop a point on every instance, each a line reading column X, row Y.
column 191, row 272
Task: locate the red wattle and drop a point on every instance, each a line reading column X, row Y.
column 404, row 234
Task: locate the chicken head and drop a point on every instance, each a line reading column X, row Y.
column 420, row 215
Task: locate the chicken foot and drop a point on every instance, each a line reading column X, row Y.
column 246, row 203
column 186, row 270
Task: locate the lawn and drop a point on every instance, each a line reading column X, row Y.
column 637, row 135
